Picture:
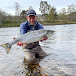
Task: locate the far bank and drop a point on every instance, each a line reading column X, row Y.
column 17, row 24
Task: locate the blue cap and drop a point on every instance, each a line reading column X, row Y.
column 31, row 12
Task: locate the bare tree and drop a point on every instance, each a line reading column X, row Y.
column 71, row 8
column 63, row 15
column 17, row 9
column 72, row 12
column 2, row 17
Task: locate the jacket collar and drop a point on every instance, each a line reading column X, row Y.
column 32, row 25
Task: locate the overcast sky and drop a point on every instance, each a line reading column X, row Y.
column 9, row 5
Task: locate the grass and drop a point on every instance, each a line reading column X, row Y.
column 43, row 23
column 58, row 23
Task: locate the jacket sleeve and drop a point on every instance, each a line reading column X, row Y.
column 23, row 29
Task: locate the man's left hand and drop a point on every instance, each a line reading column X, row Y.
column 45, row 38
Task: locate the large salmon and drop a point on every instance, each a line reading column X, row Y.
column 29, row 37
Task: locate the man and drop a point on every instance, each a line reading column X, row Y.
column 33, row 51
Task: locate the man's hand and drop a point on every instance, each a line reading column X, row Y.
column 45, row 38
column 20, row 43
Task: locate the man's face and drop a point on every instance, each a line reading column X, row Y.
column 31, row 19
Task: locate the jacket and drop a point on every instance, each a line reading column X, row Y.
column 25, row 27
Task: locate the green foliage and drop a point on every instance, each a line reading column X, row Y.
column 52, row 14
column 49, row 13
column 23, row 15
column 44, row 7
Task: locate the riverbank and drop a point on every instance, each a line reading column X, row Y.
column 43, row 23
column 58, row 23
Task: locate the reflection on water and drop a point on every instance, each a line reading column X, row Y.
column 34, row 70
column 61, row 48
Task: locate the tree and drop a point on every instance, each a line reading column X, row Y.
column 23, row 14
column 72, row 16
column 17, row 12
column 44, row 7
column 2, row 17
column 17, row 9
column 63, row 11
column 72, row 12
column 63, row 14
column 71, row 8
column 52, row 14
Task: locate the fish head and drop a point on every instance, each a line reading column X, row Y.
column 50, row 32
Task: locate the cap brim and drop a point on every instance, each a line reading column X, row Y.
column 31, row 14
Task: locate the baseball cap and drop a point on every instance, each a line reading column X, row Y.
column 31, row 12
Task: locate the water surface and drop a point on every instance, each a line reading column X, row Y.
column 61, row 48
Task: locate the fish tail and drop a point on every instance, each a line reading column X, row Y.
column 6, row 47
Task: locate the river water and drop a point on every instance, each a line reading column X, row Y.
column 61, row 48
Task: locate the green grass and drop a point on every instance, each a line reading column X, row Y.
column 16, row 24
column 58, row 23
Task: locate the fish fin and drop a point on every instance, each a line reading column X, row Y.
column 6, row 47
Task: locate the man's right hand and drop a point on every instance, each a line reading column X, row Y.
column 20, row 43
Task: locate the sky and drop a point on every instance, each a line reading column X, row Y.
column 9, row 5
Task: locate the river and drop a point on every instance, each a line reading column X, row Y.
column 61, row 48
